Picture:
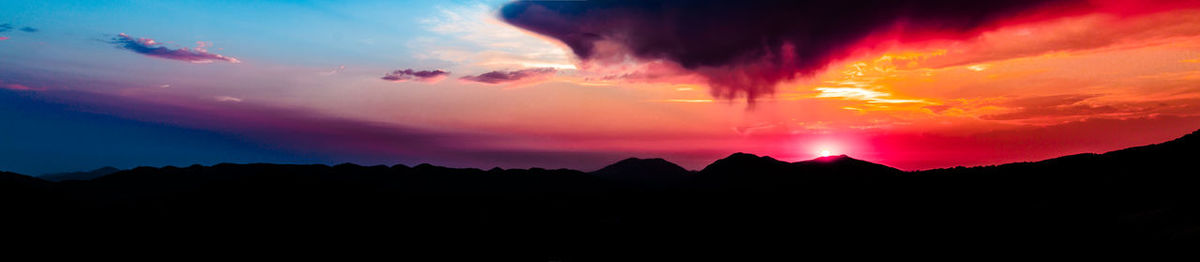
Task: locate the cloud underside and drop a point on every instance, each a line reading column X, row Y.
column 745, row 49
column 428, row 76
column 518, row 76
column 149, row 47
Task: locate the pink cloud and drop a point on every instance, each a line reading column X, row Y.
column 227, row 99
column 18, row 87
column 409, row 74
column 503, row 77
column 149, row 47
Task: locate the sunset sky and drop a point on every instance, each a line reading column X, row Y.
column 910, row 84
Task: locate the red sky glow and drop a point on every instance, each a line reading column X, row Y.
column 934, row 89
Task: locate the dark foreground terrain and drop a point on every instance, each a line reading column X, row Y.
column 1145, row 194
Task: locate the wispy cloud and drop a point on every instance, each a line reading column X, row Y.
column 18, row 87
column 334, row 71
column 227, row 99
column 9, row 27
column 501, row 77
column 687, row 100
column 428, row 76
column 854, row 93
column 483, row 41
column 1072, row 34
column 149, row 47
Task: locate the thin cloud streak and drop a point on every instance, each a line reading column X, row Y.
column 149, row 47
column 427, row 76
column 504, row 77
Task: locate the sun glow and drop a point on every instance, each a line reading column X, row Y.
column 824, row 153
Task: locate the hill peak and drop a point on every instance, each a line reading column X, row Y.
column 652, row 169
column 635, row 161
column 838, row 159
column 743, row 162
column 842, row 157
column 846, row 165
column 740, row 156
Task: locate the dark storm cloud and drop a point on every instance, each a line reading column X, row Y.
column 409, row 74
column 744, row 48
column 500, row 77
column 149, row 47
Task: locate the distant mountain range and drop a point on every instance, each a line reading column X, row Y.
column 1137, row 194
column 89, row 175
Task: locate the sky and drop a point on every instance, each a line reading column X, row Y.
column 913, row 84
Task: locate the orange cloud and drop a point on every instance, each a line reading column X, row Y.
column 1071, row 34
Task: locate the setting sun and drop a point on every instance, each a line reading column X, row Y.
column 825, row 153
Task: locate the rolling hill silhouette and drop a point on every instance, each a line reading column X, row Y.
column 749, row 168
column 655, row 170
column 89, row 175
column 1135, row 194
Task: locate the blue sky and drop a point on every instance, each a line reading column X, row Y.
column 69, row 50
column 41, row 136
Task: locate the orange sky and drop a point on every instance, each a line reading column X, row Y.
column 1025, row 89
column 1030, row 91
column 1029, row 78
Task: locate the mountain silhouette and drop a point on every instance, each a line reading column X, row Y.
column 743, row 164
column 1144, row 193
column 89, row 175
column 845, row 167
column 766, row 173
column 654, row 170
